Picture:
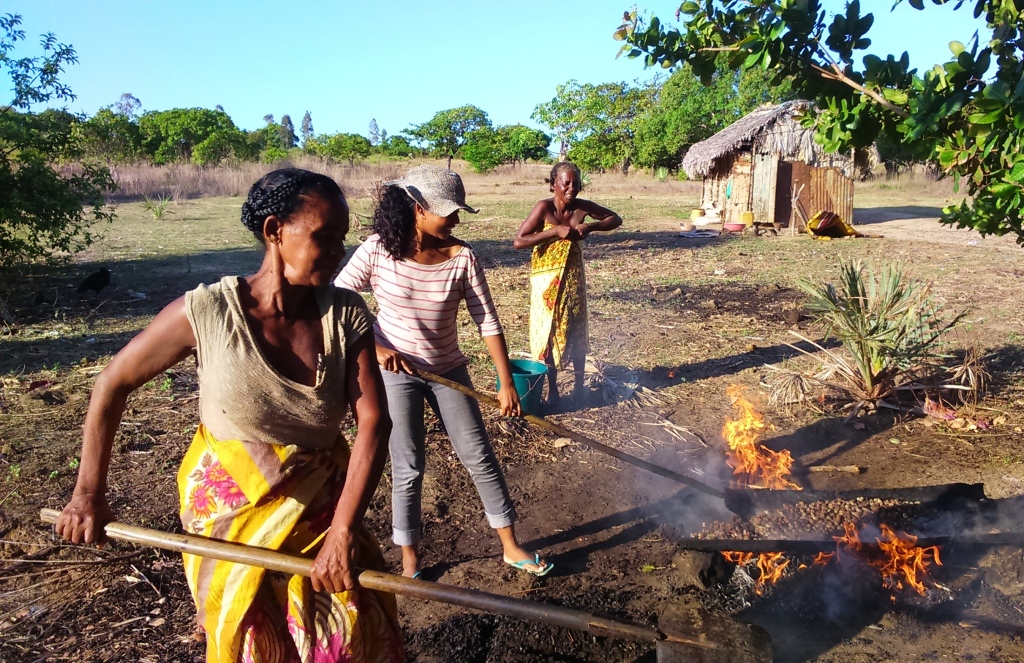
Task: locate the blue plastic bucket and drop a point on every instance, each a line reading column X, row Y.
column 528, row 378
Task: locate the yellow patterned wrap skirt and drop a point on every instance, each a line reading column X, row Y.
column 558, row 303
column 280, row 498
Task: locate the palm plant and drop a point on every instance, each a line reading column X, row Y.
column 889, row 326
column 158, row 206
column 661, row 174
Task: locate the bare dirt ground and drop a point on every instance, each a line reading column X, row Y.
column 684, row 318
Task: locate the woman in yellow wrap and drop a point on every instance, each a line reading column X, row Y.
column 282, row 356
column 555, row 230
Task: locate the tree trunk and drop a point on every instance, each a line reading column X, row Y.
column 449, row 162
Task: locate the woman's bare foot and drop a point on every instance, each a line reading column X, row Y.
column 410, row 561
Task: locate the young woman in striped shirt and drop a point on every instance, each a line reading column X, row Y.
column 419, row 273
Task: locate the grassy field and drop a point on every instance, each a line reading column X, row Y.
column 712, row 309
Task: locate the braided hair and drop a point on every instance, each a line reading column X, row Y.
column 394, row 220
column 562, row 166
column 279, row 193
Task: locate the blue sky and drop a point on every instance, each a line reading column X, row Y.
column 396, row 61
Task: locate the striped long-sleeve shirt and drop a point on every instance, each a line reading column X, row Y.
column 419, row 303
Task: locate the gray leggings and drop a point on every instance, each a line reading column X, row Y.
column 460, row 415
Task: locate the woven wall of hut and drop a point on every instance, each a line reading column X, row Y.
column 728, row 187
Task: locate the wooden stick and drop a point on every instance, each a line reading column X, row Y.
column 394, row 584
column 577, row 437
column 851, row 469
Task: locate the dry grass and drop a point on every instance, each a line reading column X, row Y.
column 186, row 181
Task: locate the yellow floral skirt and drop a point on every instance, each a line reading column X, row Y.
column 280, row 498
column 558, row 303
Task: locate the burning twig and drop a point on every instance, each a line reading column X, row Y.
column 770, row 566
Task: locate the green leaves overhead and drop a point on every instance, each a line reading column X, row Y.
column 966, row 114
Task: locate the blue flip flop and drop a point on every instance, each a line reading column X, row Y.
column 545, row 568
column 416, row 576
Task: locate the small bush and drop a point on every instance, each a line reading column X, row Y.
column 158, row 206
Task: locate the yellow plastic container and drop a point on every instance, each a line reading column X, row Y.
column 696, row 214
column 747, row 218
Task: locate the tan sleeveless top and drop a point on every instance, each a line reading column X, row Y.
column 242, row 397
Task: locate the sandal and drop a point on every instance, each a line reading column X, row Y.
column 544, row 569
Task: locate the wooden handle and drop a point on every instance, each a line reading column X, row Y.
column 577, row 437
column 394, row 584
column 850, row 469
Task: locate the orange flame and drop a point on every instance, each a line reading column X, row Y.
column 899, row 558
column 769, row 565
column 904, row 561
column 756, row 464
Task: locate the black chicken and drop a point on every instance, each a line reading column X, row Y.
column 96, row 281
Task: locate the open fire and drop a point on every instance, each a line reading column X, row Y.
column 902, row 563
column 896, row 555
column 754, row 465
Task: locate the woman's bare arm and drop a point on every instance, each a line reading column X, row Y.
column 165, row 342
column 604, row 218
column 531, row 232
column 333, row 569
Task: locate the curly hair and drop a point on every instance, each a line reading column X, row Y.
column 564, row 165
column 279, row 192
column 394, row 220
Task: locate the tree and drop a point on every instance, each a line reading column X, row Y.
column 520, row 144
column 967, row 119
column 397, row 146
column 487, row 148
column 286, row 130
column 111, row 136
column 481, row 149
column 307, row 128
column 128, row 106
column 596, row 123
column 175, row 135
column 686, row 112
column 269, row 118
column 374, row 133
column 564, row 115
column 341, row 147
column 44, row 210
column 446, row 132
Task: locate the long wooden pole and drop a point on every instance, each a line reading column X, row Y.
column 577, row 437
column 395, row 584
column 811, row 546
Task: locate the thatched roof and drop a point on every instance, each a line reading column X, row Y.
column 771, row 129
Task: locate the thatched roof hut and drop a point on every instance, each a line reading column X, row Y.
column 759, row 163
